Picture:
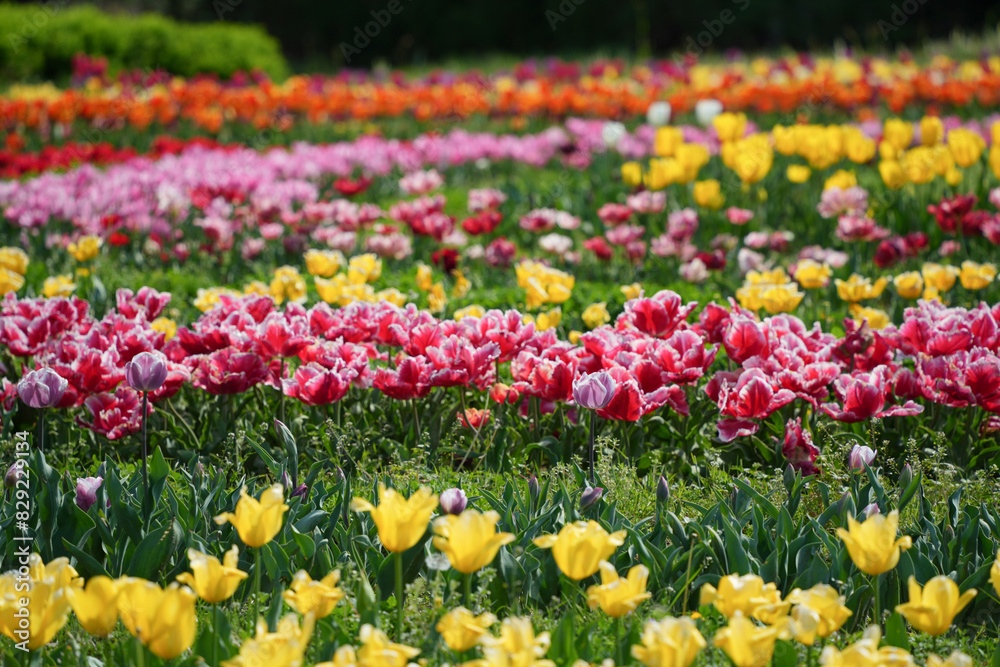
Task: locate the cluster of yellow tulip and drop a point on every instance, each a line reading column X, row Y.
column 771, row 290
column 933, row 280
column 675, row 161
column 13, row 266
column 543, row 284
column 936, row 156
column 437, row 299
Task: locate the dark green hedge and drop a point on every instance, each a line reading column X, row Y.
column 38, row 41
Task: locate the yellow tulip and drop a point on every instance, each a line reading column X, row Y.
column 859, row 288
column 994, row 159
column 798, row 173
column 288, row 285
column 784, row 139
column 956, row 659
column 284, row 648
column 933, row 608
column 596, row 314
column 548, row 320
column 873, row 545
column 730, row 126
column 812, row 274
column 632, row 173
column 517, row 645
column 877, row 319
column 474, row 310
column 909, row 285
column 366, row 268
column 46, row 601
column 96, row 605
column 841, row 179
column 966, row 146
column 633, row 291
column 461, row 629
column 666, row 141
column 14, row 259
column 257, row 287
column 345, row 656
column 574, row 336
column 898, row 133
column 931, row 130
column 940, row 277
column 866, row 653
column 953, row 177
column 858, row 148
column 781, row 298
column 257, row 522
column 920, row 164
column 744, row 594
column 164, row 325
column 708, row 194
column 377, row 651
column 689, row 160
column 892, row 174
column 401, row 522
column 995, row 573
column 747, row 644
column 318, row 598
column 470, row 539
column 10, row 281
column 436, row 298
column 58, row 286
column 462, row 284
column 976, row 276
column 818, row 612
column 86, row 248
column 425, row 277
column 323, row 263
column 616, row 596
column 580, row 547
column 162, row 618
column 669, row 642
column 211, row 580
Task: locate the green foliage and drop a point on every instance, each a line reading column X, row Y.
column 39, row 42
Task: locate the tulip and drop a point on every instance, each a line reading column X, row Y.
column 86, row 491
column 995, row 574
column 956, row 659
column 14, row 473
column 376, row 649
column 42, row 388
column 401, row 522
column 590, row 497
column 461, row 630
column 612, row 132
column 662, row 491
column 742, row 594
column 212, row 580
column 147, row 371
column 749, row 645
column 596, row 314
column 616, row 596
column 284, row 648
column 517, row 645
column 163, row 619
column 535, row 491
column 873, row 545
column 818, row 612
column 933, row 608
column 706, row 111
column 871, row 510
column 580, row 547
column 318, row 598
column 862, row 455
column 658, row 113
column 453, row 501
column 45, row 599
column 909, row 285
column 470, row 539
column 593, row 391
column 96, row 605
column 669, row 642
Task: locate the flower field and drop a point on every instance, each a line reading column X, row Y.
column 657, row 364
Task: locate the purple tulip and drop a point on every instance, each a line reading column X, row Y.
column 662, row 490
column 453, row 501
column 147, row 371
column 43, row 388
column 86, row 491
column 871, row 510
column 594, row 390
column 862, row 455
column 590, row 497
column 14, row 473
column 300, row 491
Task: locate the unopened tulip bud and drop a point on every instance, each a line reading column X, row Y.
column 871, row 510
column 906, row 476
column 147, row 371
column 86, row 491
column 862, row 455
column 14, row 473
column 662, row 491
column 453, row 501
column 286, row 481
column 43, row 388
column 658, row 113
column 534, row 490
column 300, row 491
column 590, row 497
column 789, row 478
column 199, row 469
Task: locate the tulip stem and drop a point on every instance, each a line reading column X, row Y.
column 619, row 658
column 140, row 658
column 467, row 591
column 145, row 456
column 399, row 596
column 416, row 421
column 41, row 430
column 258, row 562
column 878, row 600
column 281, row 376
column 215, row 639
column 593, row 424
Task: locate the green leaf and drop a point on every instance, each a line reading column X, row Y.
column 785, row 654
column 895, row 632
column 154, row 550
column 766, row 505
